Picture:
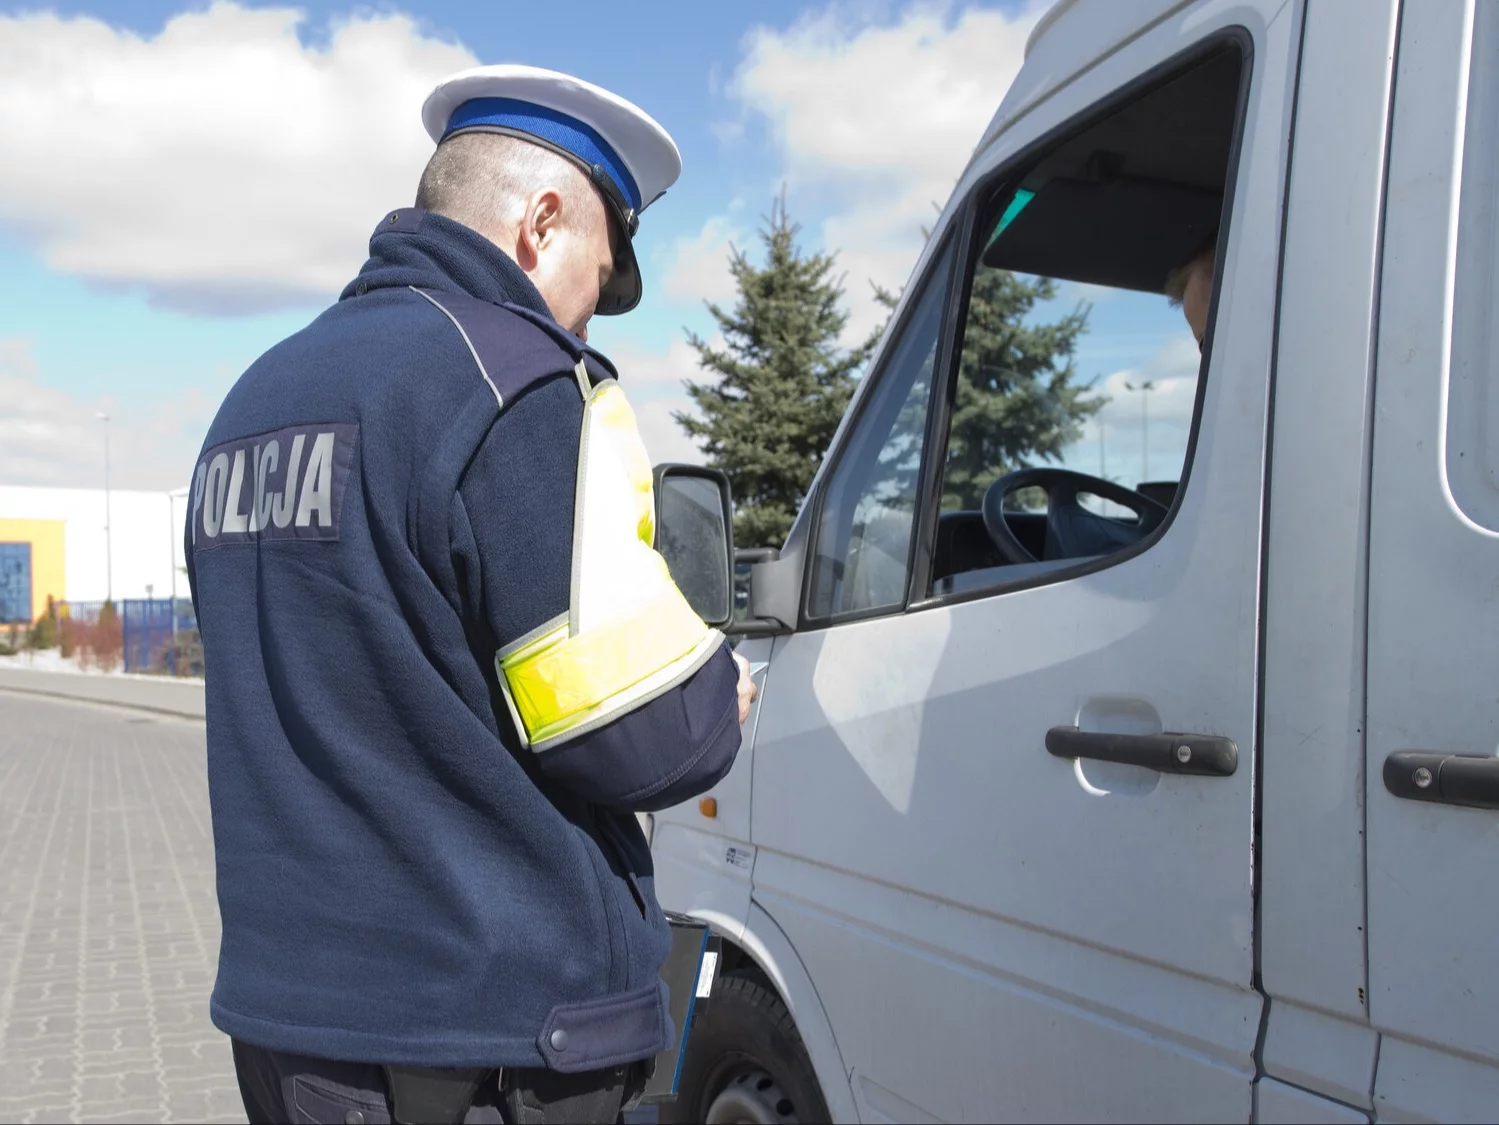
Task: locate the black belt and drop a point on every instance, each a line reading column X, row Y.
column 425, row 1096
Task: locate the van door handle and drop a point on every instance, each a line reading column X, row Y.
column 1450, row 779
column 1207, row 755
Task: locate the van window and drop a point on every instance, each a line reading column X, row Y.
column 1472, row 423
column 1072, row 400
column 861, row 560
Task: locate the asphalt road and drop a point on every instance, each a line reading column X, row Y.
column 109, row 929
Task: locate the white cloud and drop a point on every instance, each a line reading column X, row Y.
column 904, row 102
column 699, row 269
column 883, row 119
column 729, row 133
column 1124, row 426
column 653, row 380
column 50, row 437
column 222, row 164
column 652, row 371
column 877, row 244
column 664, row 439
column 1170, row 400
column 1172, row 370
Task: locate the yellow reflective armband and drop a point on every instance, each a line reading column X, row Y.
column 629, row 634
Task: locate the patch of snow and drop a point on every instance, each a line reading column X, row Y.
column 51, row 660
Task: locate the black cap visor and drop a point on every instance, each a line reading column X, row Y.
column 622, row 291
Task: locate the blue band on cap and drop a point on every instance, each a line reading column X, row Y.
column 582, row 140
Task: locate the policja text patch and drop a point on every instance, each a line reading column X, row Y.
column 285, row 484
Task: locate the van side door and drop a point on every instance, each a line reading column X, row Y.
column 1433, row 663
column 1003, row 793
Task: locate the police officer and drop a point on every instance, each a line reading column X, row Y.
column 445, row 666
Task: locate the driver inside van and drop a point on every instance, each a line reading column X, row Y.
column 1190, row 285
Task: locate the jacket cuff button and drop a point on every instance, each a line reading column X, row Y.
column 559, row 1040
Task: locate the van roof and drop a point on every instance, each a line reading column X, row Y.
column 1044, row 24
column 1128, row 19
column 1067, row 40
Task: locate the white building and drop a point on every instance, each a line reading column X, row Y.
column 74, row 546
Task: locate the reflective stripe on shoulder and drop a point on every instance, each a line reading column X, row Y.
column 473, row 351
column 629, row 634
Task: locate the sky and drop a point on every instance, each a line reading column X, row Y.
column 183, row 185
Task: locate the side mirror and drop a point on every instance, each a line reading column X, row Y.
column 694, row 533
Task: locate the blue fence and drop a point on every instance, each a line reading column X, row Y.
column 80, row 611
column 154, row 632
column 159, row 635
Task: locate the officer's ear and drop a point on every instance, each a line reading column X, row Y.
column 540, row 224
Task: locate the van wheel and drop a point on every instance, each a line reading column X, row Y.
column 745, row 1062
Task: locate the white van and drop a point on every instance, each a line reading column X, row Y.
column 1181, row 808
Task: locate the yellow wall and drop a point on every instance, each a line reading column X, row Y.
column 48, row 558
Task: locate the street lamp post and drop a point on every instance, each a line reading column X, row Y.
column 109, row 570
column 1144, row 388
column 172, row 562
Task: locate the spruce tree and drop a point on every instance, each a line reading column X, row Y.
column 1015, row 403
column 783, row 380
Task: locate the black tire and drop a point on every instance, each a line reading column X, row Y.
column 744, row 1038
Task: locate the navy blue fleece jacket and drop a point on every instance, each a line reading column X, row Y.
column 399, row 880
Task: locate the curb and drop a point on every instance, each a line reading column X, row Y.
column 169, row 697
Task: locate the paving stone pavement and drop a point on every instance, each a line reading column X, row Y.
column 109, row 929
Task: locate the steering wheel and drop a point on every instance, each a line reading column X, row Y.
column 1071, row 530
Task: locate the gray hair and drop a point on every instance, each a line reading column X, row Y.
column 479, row 179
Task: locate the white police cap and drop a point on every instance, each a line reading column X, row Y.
column 630, row 159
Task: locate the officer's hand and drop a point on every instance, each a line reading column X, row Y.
column 747, row 689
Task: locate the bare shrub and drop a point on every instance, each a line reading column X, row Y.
column 108, row 639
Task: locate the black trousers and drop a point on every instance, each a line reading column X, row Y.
column 281, row 1089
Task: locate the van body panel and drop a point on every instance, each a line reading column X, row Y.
column 966, row 927
column 770, row 949
column 1420, row 1083
column 1433, row 596
column 1321, row 1053
column 1312, row 914
column 702, row 873
column 703, row 864
column 1066, row 41
column 1106, row 1034
column 880, row 1106
column 1276, row 1103
column 961, row 845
